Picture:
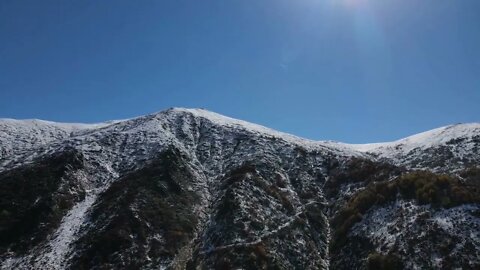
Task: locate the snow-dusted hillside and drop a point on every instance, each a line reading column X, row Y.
column 189, row 188
column 443, row 149
column 24, row 137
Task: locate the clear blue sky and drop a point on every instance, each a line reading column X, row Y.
column 348, row 70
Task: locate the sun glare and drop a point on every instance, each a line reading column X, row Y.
column 354, row 3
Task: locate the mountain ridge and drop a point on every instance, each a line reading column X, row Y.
column 466, row 128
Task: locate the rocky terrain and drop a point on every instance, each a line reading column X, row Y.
column 191, row 189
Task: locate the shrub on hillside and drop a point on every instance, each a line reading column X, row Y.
column 437, row 190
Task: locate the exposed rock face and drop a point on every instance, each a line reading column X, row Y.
column 190, row 189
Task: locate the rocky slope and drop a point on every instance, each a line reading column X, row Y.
column 191, row 189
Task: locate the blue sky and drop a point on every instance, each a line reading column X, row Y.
column 349, row 70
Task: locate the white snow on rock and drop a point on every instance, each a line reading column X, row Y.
column 58, row 246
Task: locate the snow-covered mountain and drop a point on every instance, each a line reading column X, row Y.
column 192, row 189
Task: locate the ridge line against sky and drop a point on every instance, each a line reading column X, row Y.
column 354, row 71
column 116, row 121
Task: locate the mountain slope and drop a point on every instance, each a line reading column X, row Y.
column 191, row 189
